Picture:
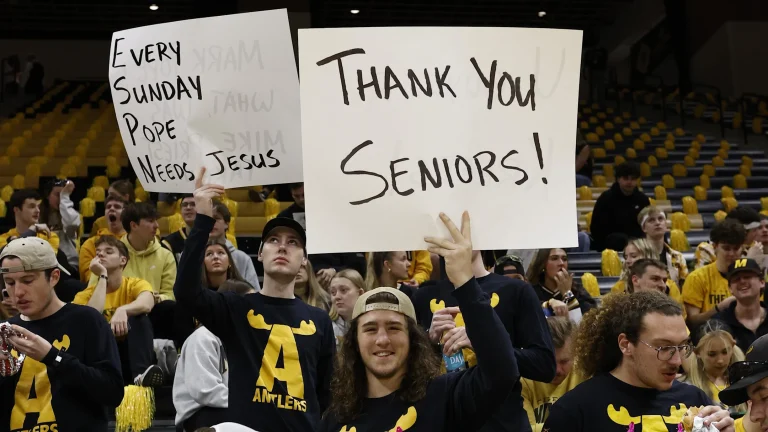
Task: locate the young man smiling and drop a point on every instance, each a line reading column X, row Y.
column 747, row 316
column 389, row 377
column 631, row 349
column 71, row 376
column 280, row 350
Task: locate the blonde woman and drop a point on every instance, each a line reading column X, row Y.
column 346, row 286
column 641, row 249
column 309, row 289
column 654, row 224
column 714, row 352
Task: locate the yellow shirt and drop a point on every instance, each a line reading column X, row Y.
column 127, row 293
column 53, row 239
column 705, row 287
column 538, row 397
column 99, row 224
column 88, row 253
column 738, row 425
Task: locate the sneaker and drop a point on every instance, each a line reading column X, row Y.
column 152, row 377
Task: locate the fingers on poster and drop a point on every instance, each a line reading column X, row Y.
column 395, row 125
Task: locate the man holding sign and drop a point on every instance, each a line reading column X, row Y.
column 280, row 350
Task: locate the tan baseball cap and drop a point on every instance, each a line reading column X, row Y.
column 403, row 306
column 35, row 254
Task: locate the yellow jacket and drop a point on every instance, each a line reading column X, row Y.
column 53, row 239
column 421, row 266
column 154, row 264
column 99, row 224
column 88, row 252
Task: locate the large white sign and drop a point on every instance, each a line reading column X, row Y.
column 400, row 124
column 221, row 92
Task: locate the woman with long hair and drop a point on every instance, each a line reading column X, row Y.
column 309, row 289
column 58, row 212
column 714, row 352
column 386, row 269
column 556, row 288
column 346, row 287
column 218, row 265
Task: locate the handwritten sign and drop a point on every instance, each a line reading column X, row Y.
column 221, row 92
column 400, row 124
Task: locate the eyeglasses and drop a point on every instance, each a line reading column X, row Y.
column 665, row 353
column 740, row 370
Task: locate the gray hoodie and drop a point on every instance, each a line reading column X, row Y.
column 70, row 221
column 244, row 265
column 202, row 376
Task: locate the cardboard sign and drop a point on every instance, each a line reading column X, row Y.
column 221, row 92
column 400, row 124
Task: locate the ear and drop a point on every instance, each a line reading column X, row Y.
column 624, row 344
column 133, row 225
column 55, row 276
column 260, row 257
column 635, row 280
column 123, row 261
column 304, row 260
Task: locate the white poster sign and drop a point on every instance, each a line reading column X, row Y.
column 400, row 124
column 221, row 92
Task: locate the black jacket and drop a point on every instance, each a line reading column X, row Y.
column 744, row 336
column 615, row 212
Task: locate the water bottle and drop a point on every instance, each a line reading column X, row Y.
column 455, row 362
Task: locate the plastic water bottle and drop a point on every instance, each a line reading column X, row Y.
column 455, row 362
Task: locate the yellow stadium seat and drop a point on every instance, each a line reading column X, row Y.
column 585, row 193
column 680, row 221
column 101, row 181
column 645, row 169
column 725, row 145
column 689, row 161
column 583, row 125
column 679, row 131
column 720, row 215
column 608, row 125
column 739, row 181
column 68, row 170
column 717, row 161
column 593, row 119
column 645, row 137
column 619, row 120
column 638, row 144
column 114, row 170
column 141, row 194
column 589, row 282
column 668, row 181
column 592, row 137
column 634, row 125
column 19, row 182
column 757, row 125
column 3, row 209
column 627, row 131
column 678, row 240
column 271, row 208
column 175, row 222
column 689, row 206
column 764, row 203
column 679, row 170
column 708, row 170
column 661, row 125
column 588, row 218
column 97, row 193
column 610, row 144
column 627, row 115
column 598, row 181
column 704, row 181
column 601, row 115
column 631, row 153
column 610, row 263
column 619, row 159
column 669, row 145
column 652, row 161
column 32, row 171
column 701, row 138
column 607, row 171
column 5, row 160
column 699, row 193
column 87, row 207
column 746, row 160
column 726, row 192
column 729, row 203
column 670, row 137
column 600, row 131
column 6, row 192
column 618, row 137
column 745, row 171
column 598, row 153
column 660, row 193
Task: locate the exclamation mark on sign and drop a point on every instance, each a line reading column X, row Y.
column 538, row 153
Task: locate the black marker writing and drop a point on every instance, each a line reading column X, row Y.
column 248, row 161
column 160, row 91
column 172, row 171
column 337, row 57
column 466, row 172
column 147, row 53
column 155, row 133
column 506, row 82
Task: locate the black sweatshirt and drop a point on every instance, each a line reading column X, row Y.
column 744, row 336
column 519, row 310
column 74, row 393
column 615, row 212
column 280, row 351
column 458, row 401
column 606, row 404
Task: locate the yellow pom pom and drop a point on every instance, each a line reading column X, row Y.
column 678, row 240
column 589, row 282
column 610, row 263
column 271, row 208
column 681, row 222
column 137, row 409
column 729, row 203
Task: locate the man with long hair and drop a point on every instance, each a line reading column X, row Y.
column 631, row 349
column 388, row 376
column 279, row 349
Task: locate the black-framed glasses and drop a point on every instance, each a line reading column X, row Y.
column 665, row 353
column 744, row 369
